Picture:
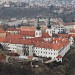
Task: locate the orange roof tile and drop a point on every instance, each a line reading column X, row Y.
column 55, row 46
column 43, row 45
column 28, row 33
column 63, row 35
column 37, row 39
column 45, row 35
column 2, row 39
column 12, row 29
column 67, row 35
column 26, row 28
column 15, row 36
column 32, row 33
column 19, row 41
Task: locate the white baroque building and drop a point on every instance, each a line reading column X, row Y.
column 42, row 44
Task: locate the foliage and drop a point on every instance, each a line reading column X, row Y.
column 7, row 13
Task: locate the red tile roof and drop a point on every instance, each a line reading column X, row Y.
column 56, row 46
column 15, row 36
column 26, row 28
column 67, row 35
column 63, row 35
column 12, row 29
column 32, row 34
column 38, row 42
column 2, row 31
column 2, row 39
column 28, row 33
column 45, row 35
column 19, row 41
column 48, row 45
column 43, row 45
column 30, row 57
column 37, row 39
column 59, row 56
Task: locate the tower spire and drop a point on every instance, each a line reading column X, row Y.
column 49, row 29
column 49, row 23
column 38, row 26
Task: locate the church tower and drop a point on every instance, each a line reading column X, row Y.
column 38, row 32
column 49, row 29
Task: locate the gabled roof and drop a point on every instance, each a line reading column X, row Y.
column 59, row 56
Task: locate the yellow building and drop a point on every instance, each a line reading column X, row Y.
column 2, row 33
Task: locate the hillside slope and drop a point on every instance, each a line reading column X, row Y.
column 66, row 68
column 7, row 13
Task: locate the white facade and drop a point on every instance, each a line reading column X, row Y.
column 29, row 50
column 58, row 29
column 59, row 59
column 57, row 47
column 38, row 33
column 6, row 5
column 71, row 41
column 61, row 29
column 55, row 30
column 49, row 31
column 43, row 52
column 28, row 37
column 64, row 50
column 19, row 48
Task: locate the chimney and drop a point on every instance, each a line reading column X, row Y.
column 62, row 39
column 53, row 42
column 42, row 42
column 10, row 41
column 58, row 44
column 56, row 41
column 53, row 38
